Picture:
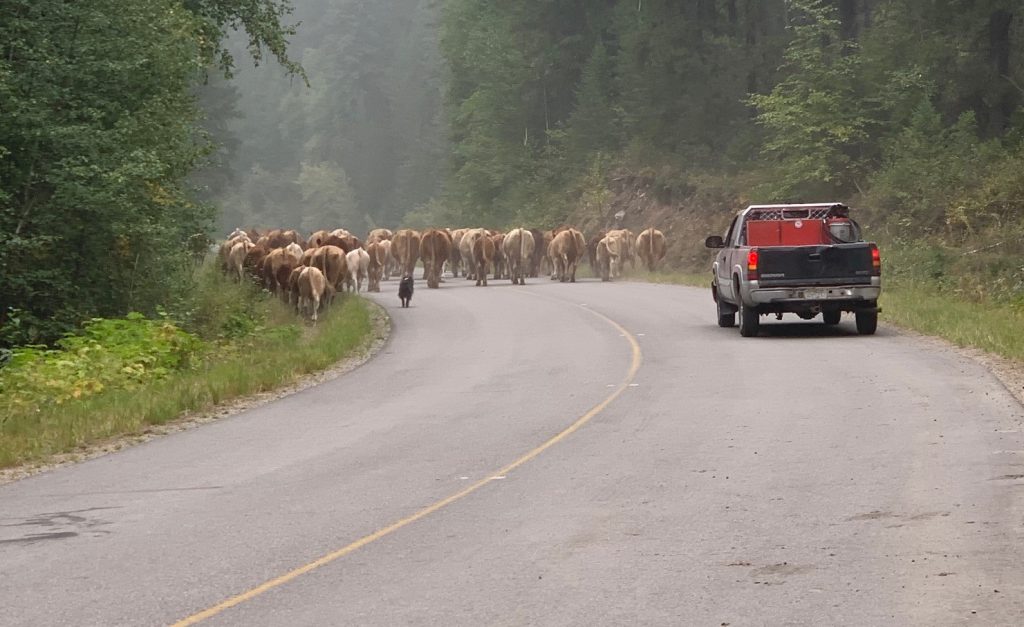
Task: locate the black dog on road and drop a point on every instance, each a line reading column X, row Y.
column 405, row 290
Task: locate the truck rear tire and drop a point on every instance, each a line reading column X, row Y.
column 832, row 318
column 749, row 321
column 726, row 318
column 867, row 322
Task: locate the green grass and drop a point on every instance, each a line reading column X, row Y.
column 994, row 327
column 272, row 357
column 989, row 326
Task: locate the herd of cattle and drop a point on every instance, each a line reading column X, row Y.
column 308, row 272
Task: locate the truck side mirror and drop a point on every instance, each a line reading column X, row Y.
column 715, row 241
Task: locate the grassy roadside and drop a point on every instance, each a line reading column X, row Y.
column 989, row 326
column 277, row 353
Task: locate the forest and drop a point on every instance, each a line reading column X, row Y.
column 133, row 133
column 909, row 110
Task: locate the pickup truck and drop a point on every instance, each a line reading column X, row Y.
column 804, row 259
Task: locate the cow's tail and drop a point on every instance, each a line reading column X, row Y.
column 650, row 248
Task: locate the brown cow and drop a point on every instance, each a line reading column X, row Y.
column 650, row 247
column 294, row 237
column 592, row 250
column 279, row 239
column 483, row 255
column 435, row 247
column 499, row 255
column 293, row 287
column 405, row 247
column 254, row 261
column 565, row 252
column 347, row 243
column 279, row 262
column 518, row 250
column 330, row 260
column 540, row 252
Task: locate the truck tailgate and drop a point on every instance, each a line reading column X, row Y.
column 839, row 264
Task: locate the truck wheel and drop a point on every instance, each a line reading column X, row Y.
column 726, row 318
column 831, row 318
column 867, row 322
column 749, row 321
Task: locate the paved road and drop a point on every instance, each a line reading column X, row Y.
column 806, row 477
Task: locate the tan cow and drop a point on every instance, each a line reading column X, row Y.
column 455, row 255
column 358, row 262
column 224, row 252
column 629, row 249
column 406, row 249
column 435, row 247
column 375, row 269
column 564, row 253
column 294, row 251
column 466, row 247
column 617, row 246
column 650, row 247
column 389, row 259
column 330, row 260
column 236, row 258
column 518, row 250
column 379, row 235
column 307, row 256
column 602, row 259
column 312, row 287
column 318, row 239
column 483, row 255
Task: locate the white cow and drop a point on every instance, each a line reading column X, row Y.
column 358, row 261
column 518, row 247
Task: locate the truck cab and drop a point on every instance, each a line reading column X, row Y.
column 805, row 259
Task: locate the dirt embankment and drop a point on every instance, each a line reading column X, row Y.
column 637, row 202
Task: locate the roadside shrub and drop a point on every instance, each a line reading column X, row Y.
column 108, row 354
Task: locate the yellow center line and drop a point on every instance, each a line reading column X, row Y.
column 248, row 595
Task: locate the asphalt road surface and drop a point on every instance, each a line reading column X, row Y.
column 556, row 454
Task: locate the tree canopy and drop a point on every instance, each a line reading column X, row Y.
column 97, row 135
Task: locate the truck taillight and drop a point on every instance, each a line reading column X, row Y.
column 876, row 261
column 752, row 265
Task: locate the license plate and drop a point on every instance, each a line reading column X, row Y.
column 815, row 294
